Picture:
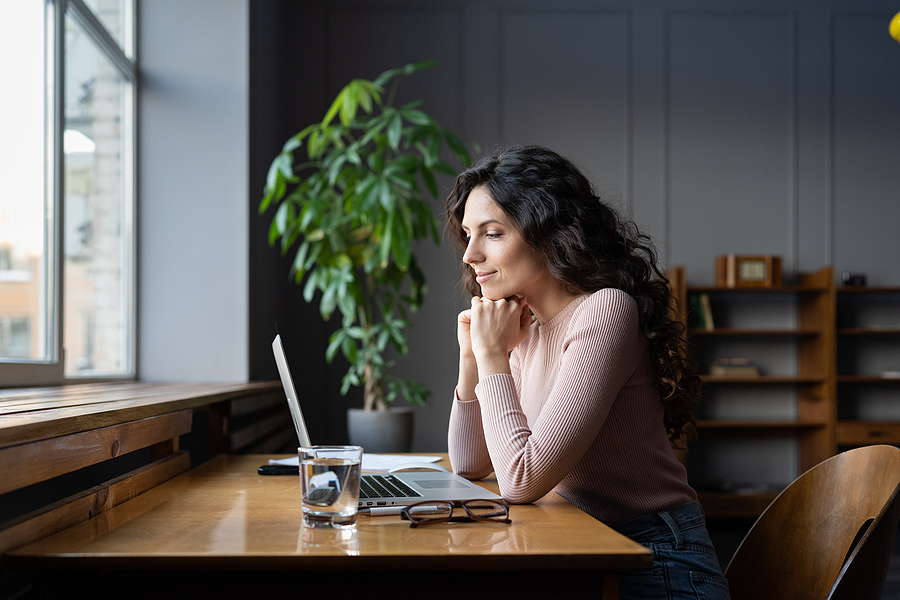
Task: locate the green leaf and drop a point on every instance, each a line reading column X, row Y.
column 383, row 338
column 426, row 64
column 364, row 99
column 266, row 201
column 335, row 168
column 329, row 300
column 373, row 130
column 350, row 379
column 290, row 236
column 348, row 103
column 457, row 146
column 295, row 141
column 444, row 168
column 313, row 147
column 357, row 333
column 281, row 217
column 400, row 243
column 348, row 347
column 334, row 344
column 386, row 195
column 386, row 240
column 417, row 117
column 433, row 150
column 385, row 77
column 300, row 257
column 428, row 178
column 312, row 283
column 334, row 108
column 313, row 256
column 376, row 162
column 274, row 234
column 394, row 131
column 272, row 175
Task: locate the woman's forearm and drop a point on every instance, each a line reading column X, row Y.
column 468, row 378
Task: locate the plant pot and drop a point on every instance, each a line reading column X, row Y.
column 381, row 431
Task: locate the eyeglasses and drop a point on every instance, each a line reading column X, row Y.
column 428, row 512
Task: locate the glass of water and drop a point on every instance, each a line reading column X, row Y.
column 329, row 482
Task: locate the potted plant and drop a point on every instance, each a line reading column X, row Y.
column 353, row 203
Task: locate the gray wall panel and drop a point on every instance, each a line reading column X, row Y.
column 866, row 176
column 566, row 84
column 731, row 137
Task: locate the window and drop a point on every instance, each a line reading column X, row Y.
column 67, row 196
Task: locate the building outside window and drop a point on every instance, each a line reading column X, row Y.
column 67, row 192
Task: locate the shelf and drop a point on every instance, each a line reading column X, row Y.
column 731, row 331
column 784, row 289
column 866, row 379
column 796, row 335
column 761, row 379
column 863, row 289
column 787, row 426
column 861, row 433
column 869, row 331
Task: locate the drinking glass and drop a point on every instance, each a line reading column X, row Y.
column 329, row 483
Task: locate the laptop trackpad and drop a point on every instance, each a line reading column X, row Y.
column 439, row 484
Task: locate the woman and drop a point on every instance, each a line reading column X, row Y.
column 571, row 374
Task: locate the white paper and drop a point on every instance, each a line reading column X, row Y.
column 370, row 462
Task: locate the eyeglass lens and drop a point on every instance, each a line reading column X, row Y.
column 438, row 512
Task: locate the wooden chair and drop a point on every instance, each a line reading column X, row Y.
column 828, row 535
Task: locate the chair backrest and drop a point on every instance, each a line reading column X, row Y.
column 828, row 535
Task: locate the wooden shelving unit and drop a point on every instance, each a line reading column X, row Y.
column 808, row 373
column 868, row 361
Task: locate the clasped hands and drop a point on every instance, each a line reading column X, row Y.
column 490, row 329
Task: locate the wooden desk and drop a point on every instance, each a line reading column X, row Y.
column 223, row 525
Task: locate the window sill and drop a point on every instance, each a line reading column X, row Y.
column 30, row 414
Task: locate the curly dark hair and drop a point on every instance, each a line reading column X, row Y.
column 588, row 247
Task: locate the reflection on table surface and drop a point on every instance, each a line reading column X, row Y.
column 225, row 509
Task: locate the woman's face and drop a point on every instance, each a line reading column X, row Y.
column 504, row 264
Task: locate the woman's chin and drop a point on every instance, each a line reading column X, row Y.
column 492, row 294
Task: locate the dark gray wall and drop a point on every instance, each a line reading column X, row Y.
column 743, row 126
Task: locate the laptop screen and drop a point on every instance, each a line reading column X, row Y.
column 293, row 400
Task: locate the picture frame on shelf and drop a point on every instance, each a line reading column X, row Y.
column 748, row 271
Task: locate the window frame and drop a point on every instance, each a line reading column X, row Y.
column 15, row 373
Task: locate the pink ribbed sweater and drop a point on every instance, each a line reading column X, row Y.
column 580, row 415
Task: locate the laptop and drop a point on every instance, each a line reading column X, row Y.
column 385, row 489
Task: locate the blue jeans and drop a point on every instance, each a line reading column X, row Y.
column 685, row 566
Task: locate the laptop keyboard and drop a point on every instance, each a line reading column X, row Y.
column 384, row 486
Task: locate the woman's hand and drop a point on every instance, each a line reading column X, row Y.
column 497, row 326
column 463, row 333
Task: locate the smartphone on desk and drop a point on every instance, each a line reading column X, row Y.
column 278, row 470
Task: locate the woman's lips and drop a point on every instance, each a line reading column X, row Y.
column 482, row 277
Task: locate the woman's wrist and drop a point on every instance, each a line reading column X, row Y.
column 492, row 363
column 468, row 377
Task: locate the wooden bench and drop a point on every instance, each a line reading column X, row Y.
column 50, row 434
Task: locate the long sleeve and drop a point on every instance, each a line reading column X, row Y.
column 468, row 452
column 582, row 415
column 469, row 456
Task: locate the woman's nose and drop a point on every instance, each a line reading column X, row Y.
column 471, row 255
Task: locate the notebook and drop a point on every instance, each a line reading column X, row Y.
column 388, row 489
